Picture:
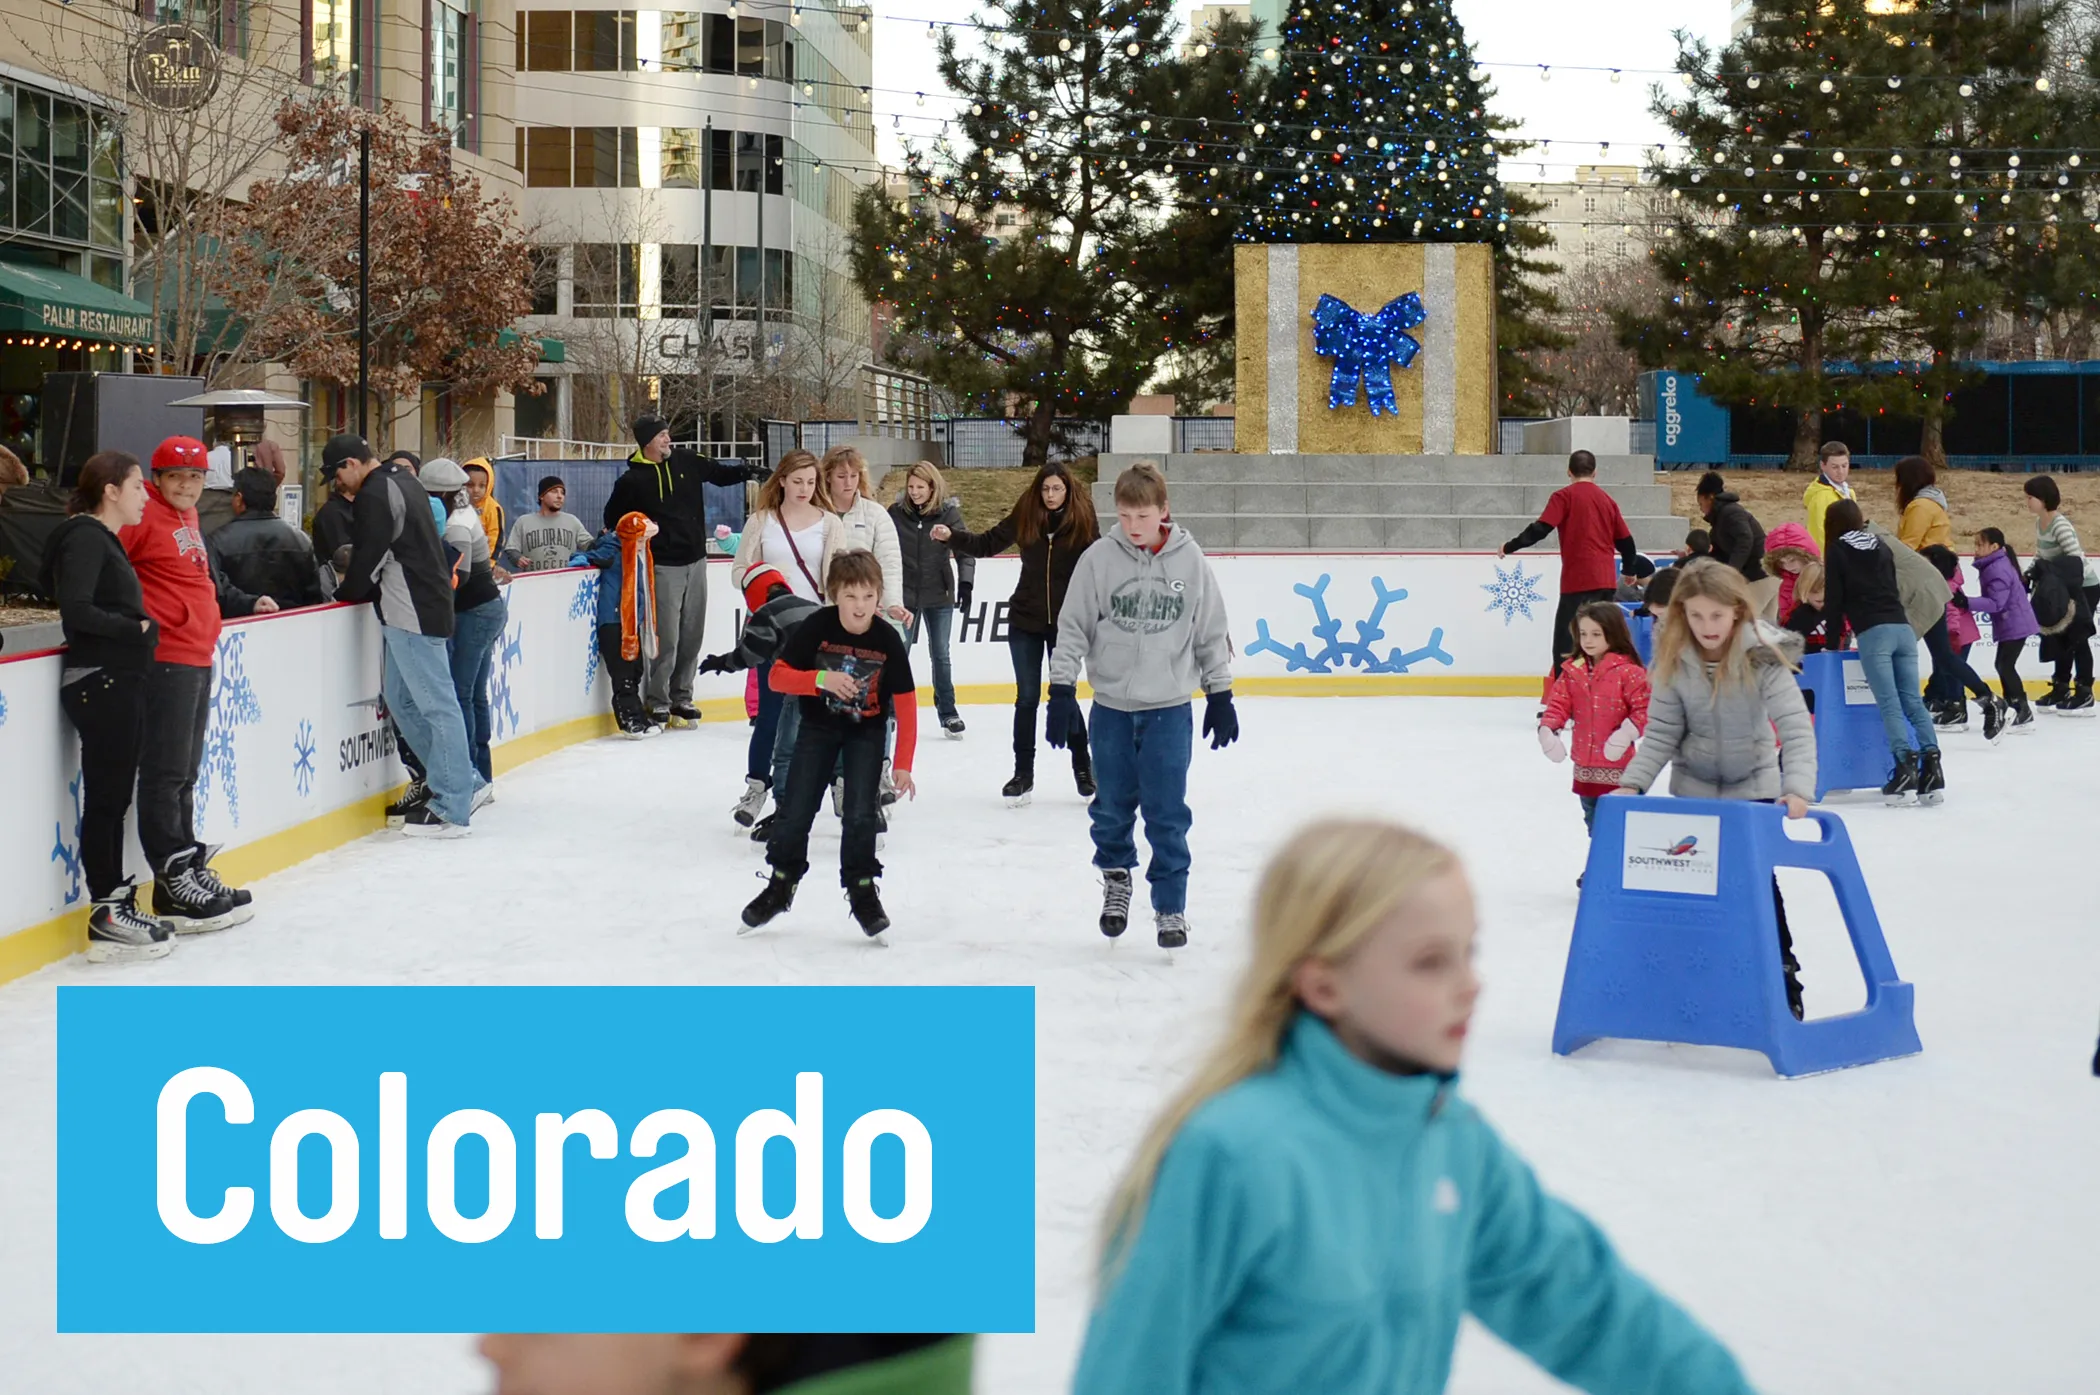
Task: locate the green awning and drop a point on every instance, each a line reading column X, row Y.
column 37, row 300
column 551, row 350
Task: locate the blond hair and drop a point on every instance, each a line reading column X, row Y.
column 925, row 470
column 773, row 493
column 1714, row 581
column 1320, row 897
column 1142, row 486
column 1808, row 581
column 847, row 456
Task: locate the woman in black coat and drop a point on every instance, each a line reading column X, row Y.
column 1050, row 525
column 109, row 650
column 934, row 587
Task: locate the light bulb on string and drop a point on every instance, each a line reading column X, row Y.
column 1545, row 73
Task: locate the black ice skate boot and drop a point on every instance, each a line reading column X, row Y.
column 1932, row 784
column 1173, row 929
column 1792, row 968
column 1115, row 900
column 1994, row 711
column 238, row 895
column 1021, row 787
column 1952, row 715
column 779, row 894
column 414, row 797
column 1083, row 769
column 118, row 934
column 2052, row 696
column 762, row 831
column 866, row 905
column 189, row 906
column 1904, row 783
column 2079, row 703
column 2022, row 716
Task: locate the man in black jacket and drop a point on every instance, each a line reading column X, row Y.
column 665, row 485
column 260, row 552
column 1738, row 538
column 331, row 525
column 397, row 563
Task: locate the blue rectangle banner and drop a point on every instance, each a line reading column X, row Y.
column 546, row 1159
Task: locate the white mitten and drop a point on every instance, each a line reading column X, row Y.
column 1620, row 741
column 1549, row 742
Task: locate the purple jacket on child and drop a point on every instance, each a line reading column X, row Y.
column 2004, row 598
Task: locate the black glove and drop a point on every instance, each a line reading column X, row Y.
column 962, row 594
column 1220, row 722
column 716, row 663
column 758, row 472
column 1065, row 717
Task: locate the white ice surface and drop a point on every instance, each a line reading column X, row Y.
column 1926, row 1225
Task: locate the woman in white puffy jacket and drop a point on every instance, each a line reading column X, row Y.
column 868, row 524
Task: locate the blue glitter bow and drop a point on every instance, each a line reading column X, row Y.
column 1364, row 346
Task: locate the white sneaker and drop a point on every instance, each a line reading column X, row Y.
column 753, row 803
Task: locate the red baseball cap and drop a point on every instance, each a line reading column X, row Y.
column 181, row 453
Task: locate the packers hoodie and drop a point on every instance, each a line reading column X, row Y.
column 1148, row 625
column 185, row 591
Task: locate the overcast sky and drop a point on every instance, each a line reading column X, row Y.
column 1575, row 110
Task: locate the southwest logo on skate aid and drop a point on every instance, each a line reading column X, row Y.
column 1674, row 855
column 546, row 1159
column 1672, row 852
column 1147, row 605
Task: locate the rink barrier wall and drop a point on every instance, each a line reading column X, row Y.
column 297, row 761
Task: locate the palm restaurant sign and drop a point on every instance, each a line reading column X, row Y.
column 90, row 323
column 175, row 68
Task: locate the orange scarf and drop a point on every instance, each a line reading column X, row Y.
column 637, row 583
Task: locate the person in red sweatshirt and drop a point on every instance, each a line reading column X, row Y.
column 185, row 594
column 1591, row 530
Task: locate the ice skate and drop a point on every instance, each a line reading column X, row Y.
column 838, row 798
column 762, row 831
column 2051, row 696
column 1932, row 784
column 205, row 853
column 2022, row 716
column 426, row 822
column 414, row 797
column 118, row 934
column 866, row 905
column 633, row 725
column 1082, row 770
column 1951, row 716
column 778, row 895
column 1994, row 711
column 1021, row 788
column 1791, row 967
column 747, row 808
column 2078, row 702
column 684, row 716
column 952, row 727
column 483, row 797
column 1903, row 784
column 1115, row 900
column 183, row 899
column 1173, row 928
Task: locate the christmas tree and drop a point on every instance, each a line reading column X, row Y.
column 1372, row 130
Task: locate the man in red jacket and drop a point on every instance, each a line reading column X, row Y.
column 1592, row 530
column 186, row 594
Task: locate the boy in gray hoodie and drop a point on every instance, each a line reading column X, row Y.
column 1145, row 616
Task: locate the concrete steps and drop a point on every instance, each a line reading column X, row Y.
column 1381, row 503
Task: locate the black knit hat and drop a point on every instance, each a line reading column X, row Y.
column 648, row 428
column 547, row 483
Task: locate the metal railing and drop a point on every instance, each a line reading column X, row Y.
column 1202, row 433
column 555, row 448
column 894, row 404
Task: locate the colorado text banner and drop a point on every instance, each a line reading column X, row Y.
column 546, row 1159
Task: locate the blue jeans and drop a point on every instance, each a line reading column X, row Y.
column 419, row 696
column 758, row 760
column 1141, row 761
column 1589, row 812
column 940, row 623
column 1029, row 651
column 472, row 652
column 1889, row 654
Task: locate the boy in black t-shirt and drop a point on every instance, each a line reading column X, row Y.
column 851, row 673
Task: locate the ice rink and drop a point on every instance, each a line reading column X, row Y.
column 1925, row 1225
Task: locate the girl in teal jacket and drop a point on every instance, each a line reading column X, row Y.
column 1319, row 1207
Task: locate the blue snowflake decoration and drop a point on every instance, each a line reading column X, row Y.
column 233, row 706
column 1513, row 593
column 303, row 758
column 503, row 710
column 67, row 854
column 1357, row 653
column 3, row 709
column 584, row 606
column 1366, row 348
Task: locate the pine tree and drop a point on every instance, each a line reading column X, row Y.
column 1057, row 134
column 1853, row 192
column 1373, row 130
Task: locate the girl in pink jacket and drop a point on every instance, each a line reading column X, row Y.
column 1603, row 690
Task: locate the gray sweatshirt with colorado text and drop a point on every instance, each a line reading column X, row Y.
column 1148, row 627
